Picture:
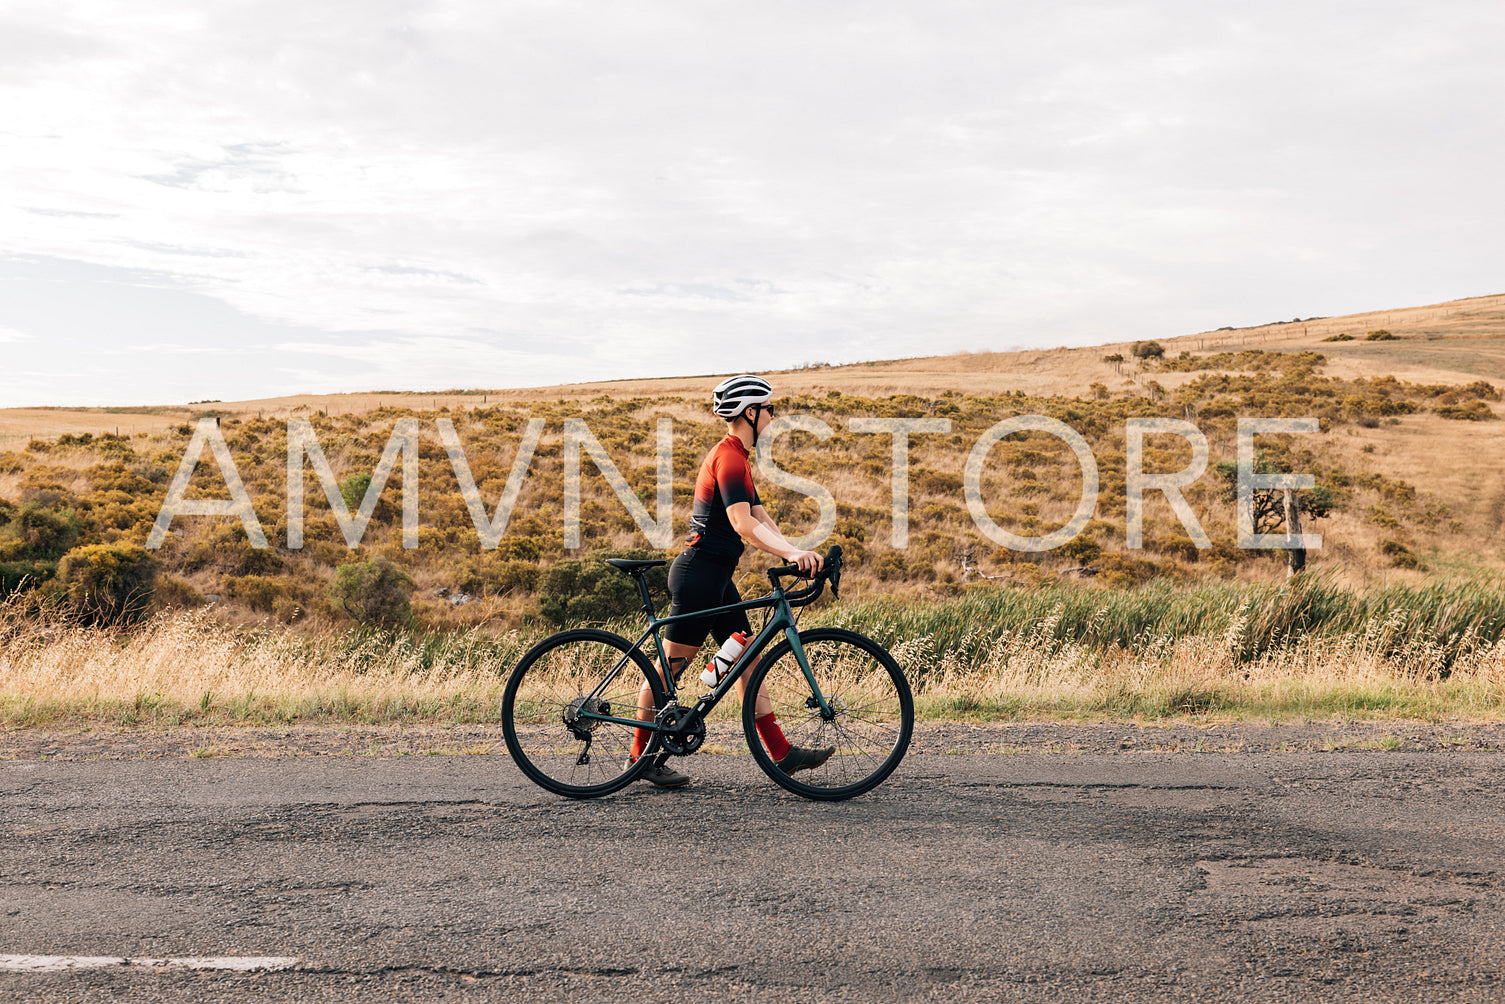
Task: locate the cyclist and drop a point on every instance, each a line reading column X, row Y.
column 727, row 512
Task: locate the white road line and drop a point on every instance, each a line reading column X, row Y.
column 59, row 963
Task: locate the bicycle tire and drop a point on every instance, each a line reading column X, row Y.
column 559, row 670
column 869, row 694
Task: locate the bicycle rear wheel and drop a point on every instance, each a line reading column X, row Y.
column 872, row 712
column 549, row 741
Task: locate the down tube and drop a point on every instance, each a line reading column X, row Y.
column 758, row 645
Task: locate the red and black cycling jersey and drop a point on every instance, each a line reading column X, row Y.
column 725, row 479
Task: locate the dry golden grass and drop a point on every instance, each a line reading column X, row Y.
column 1313, row 678
column 188, row 668
column 18, row 426
column 190, row 665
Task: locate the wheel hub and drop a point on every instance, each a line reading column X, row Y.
column 837, row 705
column 580, row 727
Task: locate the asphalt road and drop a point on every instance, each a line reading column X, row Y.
column 1303, row 876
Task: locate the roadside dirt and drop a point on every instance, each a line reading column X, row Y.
column 1226, row 737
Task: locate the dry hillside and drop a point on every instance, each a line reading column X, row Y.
column 1457, row 342
column 1409, row 433
column 1454, row 342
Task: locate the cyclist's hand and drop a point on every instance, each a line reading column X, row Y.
column 808, row 561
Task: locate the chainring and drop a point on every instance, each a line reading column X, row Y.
column 681, row 730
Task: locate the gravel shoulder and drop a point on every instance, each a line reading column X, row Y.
column 1226, row 737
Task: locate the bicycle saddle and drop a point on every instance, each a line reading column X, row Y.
column 632, row 566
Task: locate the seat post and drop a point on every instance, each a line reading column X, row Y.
column 642, row 580
column 636, row 569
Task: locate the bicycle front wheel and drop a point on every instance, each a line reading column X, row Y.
column 550, row 740
column 871, row 712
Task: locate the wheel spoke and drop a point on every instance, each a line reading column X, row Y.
column 870, row 702
column 542, row 713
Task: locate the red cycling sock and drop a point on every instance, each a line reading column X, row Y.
column 639, row 743
column 773, row 736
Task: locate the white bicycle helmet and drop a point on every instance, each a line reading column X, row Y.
column 736, row 394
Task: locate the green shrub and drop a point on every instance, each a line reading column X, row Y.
column 173, row 592
column 1474, row 411
column 374, row 591
column 259, row 592
column 890, row 566
column 489, row 575
column 16, row 575
column 1176, row 546
column 577, row 590
column 1124, row 571
column 514, row 548
column 227, row 550
column 108, row 583
column 1082, row 550
column 38, row 533
column 1399, row 554
column 279, row 595
column 353, row 490
column 515, row 575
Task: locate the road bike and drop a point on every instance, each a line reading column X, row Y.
column 569, row 711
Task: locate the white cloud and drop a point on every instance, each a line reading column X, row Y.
column 574, row 192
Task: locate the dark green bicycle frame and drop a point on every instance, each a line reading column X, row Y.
column 782, row 620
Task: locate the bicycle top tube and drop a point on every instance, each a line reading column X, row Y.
column 771, row 600
column 781, row 620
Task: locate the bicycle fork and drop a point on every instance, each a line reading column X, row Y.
column 793, row 638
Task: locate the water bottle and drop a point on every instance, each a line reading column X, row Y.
column 722, row 661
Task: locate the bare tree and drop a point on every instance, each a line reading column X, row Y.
column 1276, row 508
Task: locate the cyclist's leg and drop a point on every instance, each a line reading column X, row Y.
column 682, row 639
column 724, row 626
column 679, row 656
column 861, row 728
column 766, row 722
column 765, row 706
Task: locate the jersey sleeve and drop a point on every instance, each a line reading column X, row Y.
column 734, row 480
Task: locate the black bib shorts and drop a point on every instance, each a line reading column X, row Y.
column 699, row 581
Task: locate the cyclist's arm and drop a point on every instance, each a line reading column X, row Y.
column 754, row 525
column 761, row 515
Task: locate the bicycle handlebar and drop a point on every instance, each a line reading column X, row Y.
column 830, row 572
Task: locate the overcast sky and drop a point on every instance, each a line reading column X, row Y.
column 232, row 200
